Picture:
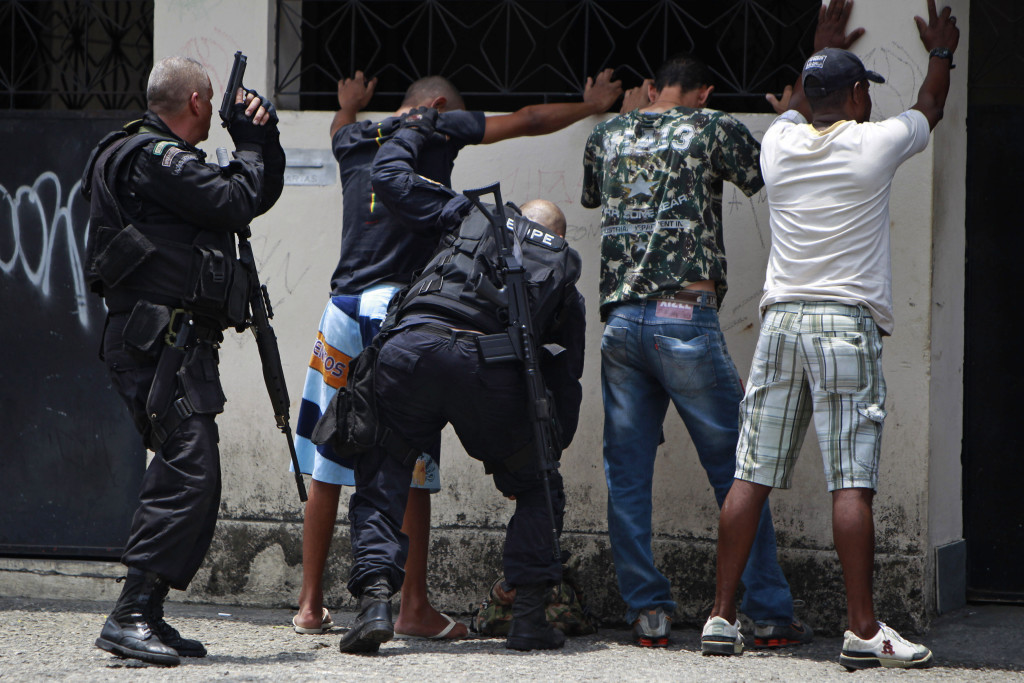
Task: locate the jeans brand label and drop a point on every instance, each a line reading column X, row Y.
column 674, row 309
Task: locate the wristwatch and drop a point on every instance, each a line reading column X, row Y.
column 943, row 53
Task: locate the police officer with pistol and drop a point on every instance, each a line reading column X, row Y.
column 162, row 252
column 448, row 353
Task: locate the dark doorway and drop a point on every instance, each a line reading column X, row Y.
column 70, row 459
column 993, row 464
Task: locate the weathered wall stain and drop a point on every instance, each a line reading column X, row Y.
column 464, row 563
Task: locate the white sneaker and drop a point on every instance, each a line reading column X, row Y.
column 721, row 638
column 887, row 648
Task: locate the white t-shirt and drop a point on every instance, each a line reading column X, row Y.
column 828, row 199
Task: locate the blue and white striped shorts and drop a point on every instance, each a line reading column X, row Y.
column 347, row 325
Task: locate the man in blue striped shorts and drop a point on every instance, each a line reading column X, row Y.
column 827, row 304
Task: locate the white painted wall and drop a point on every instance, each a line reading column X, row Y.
column 918, row 503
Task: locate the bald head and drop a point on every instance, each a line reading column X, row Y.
column 427, row 91
column 172, row 82
column 546, row 213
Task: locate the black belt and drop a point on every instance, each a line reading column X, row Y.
column 439, row 330
column 693, row 296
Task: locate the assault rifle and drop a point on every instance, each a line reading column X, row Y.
column 519, row 342
column 260, row 314
column 260, row 310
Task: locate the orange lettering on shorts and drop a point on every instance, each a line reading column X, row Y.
column 330, row 362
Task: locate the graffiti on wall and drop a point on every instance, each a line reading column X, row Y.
column 33, row 219
column 70, row 459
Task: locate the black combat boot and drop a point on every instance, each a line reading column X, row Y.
column 185, row 647
column 373, row 625
column 530, row 629
column 127, row 632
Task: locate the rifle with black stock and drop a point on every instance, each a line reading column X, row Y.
column 260, row 310
column 519, row 342
column 260, row 314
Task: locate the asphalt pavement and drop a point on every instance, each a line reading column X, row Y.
column 43, row 639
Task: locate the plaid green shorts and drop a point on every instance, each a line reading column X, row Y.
column 822, row 359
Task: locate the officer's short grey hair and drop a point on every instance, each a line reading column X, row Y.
column 172, row 82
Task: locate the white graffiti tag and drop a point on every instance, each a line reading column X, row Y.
column 38, row 215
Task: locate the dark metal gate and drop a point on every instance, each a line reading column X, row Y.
column 70, row 459
column 992, row 459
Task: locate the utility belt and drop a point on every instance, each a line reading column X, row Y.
column 203, row 277
column 186, row 380
column 494, row 348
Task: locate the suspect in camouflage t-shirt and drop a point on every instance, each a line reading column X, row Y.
column 658, row 179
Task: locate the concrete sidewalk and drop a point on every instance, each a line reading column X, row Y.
column 53, row 640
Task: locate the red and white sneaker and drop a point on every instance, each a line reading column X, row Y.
column 887, row 648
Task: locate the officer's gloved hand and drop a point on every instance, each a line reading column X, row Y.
column 423, row 119
column 241, row 128
column 269, row 107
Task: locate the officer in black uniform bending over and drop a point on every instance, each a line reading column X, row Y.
column 162, row 252
column 429, row 372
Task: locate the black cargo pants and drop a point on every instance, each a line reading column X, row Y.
column 425, row 380
column 180, row 496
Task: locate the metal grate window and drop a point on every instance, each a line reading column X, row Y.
column 75, row 54
column 507, row 54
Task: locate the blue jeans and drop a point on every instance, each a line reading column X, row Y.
column 646, row 361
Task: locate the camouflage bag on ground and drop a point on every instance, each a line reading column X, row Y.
column 566, row 609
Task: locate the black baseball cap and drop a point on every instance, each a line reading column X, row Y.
column 835, row 69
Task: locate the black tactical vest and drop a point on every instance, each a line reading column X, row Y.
column 462, row 283
column 178, row 265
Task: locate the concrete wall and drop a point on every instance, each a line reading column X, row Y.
column 256, row 558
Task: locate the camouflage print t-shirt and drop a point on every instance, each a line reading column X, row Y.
column 658, row 180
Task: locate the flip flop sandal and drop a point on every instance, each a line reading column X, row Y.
column 325, row 625
column 441, row 635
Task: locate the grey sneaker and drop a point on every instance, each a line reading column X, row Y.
column 652, row 628
column 721, row 638
column 772, row 635
column 887, row 648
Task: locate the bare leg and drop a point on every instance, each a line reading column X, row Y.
column 317, row 530
column 853, row 532
column 416, row 616
column 737, row 526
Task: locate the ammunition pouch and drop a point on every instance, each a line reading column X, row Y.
column 147, row 327
column 218, row 286
column 497, row 348
column 350, row 426
column 120, row 253
column 199, row 277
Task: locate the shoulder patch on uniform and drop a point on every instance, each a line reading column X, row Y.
column 179, row 158
column 541, row 237
column 168, row 158
column 161, row 146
